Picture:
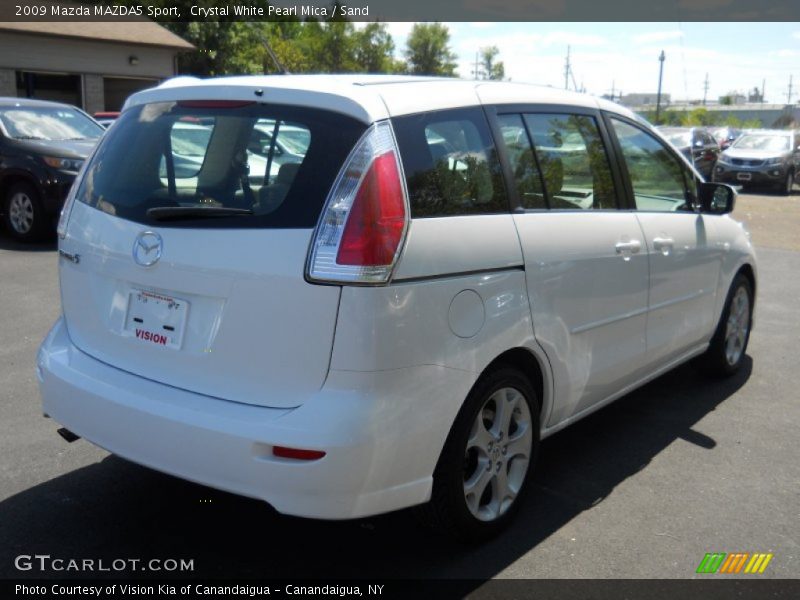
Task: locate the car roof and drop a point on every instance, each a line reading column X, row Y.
column 367, row 97
column 12, row 101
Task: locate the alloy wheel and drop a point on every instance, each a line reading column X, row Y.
column 498, row 453
column 20, row 212
column 738, row 326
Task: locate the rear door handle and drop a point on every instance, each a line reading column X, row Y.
column 631, row 247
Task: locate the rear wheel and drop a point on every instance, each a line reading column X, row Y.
column 485, row 466
column 727, row 349
column 23, row 213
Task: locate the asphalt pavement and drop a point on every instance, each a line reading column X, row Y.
column 642, row 489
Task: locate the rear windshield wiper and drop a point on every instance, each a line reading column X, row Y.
column 177, row 213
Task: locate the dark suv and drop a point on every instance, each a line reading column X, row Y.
column 697, row 145
column 765, row 157
column 42, row 147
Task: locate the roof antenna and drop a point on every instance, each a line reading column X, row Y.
column 281, row 69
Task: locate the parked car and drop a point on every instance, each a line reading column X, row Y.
column 452, row 272
column 725, row 136
column 697, row 145
column 106, row 118
column 762, row 157
column 42, row 148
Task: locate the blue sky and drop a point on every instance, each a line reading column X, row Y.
column 736, row 56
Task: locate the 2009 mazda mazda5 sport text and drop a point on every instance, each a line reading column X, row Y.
column 346, row 296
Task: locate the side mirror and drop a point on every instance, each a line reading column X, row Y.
column 716, row 198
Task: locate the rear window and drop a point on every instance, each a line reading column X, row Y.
column 450, row 163
column 219, row 164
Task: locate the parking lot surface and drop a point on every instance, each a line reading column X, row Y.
column 643, row 488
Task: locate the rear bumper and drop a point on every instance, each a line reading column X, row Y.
column 381, row 433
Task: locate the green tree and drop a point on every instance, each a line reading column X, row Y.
column 428, row 51
column 374, row 49
column 489, row 68
column 336, row 49
column 226, row 46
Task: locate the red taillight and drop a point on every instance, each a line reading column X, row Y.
column 360, row 233
column 297, row 453
column 375, row 225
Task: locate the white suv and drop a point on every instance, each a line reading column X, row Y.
column 366, row 293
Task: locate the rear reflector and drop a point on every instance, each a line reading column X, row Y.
column 297, row 453
column 361, row 230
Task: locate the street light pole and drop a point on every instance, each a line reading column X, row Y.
column 661, row 58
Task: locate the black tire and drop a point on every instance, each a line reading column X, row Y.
column 715, row 360
column 447, row 510
column 33, row 226
column 788, row 185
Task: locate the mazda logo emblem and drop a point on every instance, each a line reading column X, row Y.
column 147, row 248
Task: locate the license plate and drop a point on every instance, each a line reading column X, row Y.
column 156, row 319
column 744, row 176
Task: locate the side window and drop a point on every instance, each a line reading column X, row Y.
column 450, row 163
column 656, row 174
column 523, row 163
column 573, row 161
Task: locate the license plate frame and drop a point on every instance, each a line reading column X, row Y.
column 744, row 176
column 155, row 318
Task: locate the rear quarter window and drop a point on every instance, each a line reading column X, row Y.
column 274, row 164
column 450, row 163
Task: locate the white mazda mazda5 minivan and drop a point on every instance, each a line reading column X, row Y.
column 350, row 295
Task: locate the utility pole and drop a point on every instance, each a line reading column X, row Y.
column 789, row 95
column 475, row 72
column 567, row 70
column 763, row 86
column 705, row 89
column 661, row 58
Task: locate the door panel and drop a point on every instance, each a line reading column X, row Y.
column 683, row 259
column 588, row 301
column 585, row 260
column 684, row 269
